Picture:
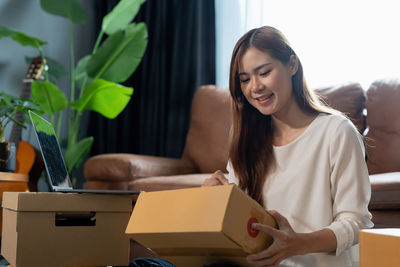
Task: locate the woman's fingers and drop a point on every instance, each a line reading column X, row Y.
column 210, row 182
column 268, row 253
column 218, row 178
column 275, row 233
column 286, row 242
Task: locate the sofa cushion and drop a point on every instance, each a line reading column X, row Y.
column 127, row 167
column 385, row 191
column 348, row 98
column 383, row 122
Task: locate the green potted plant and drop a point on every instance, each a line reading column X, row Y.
column 9, row 106
column 95, row 79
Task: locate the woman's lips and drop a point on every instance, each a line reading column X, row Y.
column 264, row 99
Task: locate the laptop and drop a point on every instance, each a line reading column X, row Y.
column 56, row 169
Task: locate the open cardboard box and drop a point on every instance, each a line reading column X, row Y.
column 58, row 229
column 197, row 226
column 380, row 247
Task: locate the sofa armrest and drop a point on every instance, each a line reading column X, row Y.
column 128, row 167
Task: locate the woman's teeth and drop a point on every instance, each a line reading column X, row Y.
column 264, row 97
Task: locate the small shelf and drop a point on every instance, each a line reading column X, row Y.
column 13, row 177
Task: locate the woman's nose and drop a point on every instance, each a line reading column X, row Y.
column 256, row 85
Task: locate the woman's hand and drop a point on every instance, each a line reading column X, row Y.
column 286, row 243
column 218, row 178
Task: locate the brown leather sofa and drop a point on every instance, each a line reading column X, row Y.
column 375, row 113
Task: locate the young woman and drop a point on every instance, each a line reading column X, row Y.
column 301, row 160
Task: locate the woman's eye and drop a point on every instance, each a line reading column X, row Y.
column 265, row 73
column 244, row 80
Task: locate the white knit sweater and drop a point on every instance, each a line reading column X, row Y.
column 321, row 181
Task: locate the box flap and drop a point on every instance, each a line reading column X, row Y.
column 184, row 210
column 49, row 201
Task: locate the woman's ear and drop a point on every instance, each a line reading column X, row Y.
column 293, row 64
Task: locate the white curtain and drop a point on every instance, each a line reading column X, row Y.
column 337, row 41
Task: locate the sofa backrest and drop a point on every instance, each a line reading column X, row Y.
column 207, row 139
column 211, row 118
column 348, row 98
column 383, row 122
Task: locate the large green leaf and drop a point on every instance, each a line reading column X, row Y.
column 104, row 97
column 48, row 97
column 121, row 16
column 70, row 9
column 120, row 54
column 75, row 154
column 80, row 72
column 20, row 37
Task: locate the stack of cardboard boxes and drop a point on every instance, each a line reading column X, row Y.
column 57, row 229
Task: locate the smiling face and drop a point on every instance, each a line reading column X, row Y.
column 266, row 82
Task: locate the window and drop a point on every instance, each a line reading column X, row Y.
column 336, row 41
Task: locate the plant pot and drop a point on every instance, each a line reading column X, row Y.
column 7, row 156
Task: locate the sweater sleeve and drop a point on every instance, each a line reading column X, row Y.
column 350, row 186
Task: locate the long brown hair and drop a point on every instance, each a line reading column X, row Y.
column 251, row 151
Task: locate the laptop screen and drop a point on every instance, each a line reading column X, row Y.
column 51, row 152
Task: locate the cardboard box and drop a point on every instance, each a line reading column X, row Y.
column 58, row 229
column 197, row 226
column 380, row 247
